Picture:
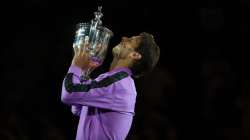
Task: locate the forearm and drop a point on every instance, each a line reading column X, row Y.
column 106, row 91
column 73, row 74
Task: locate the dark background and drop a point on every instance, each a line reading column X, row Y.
column 199, row 89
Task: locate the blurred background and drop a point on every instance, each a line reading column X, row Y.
column 199, row 89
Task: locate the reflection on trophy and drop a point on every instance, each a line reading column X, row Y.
column 98, row 38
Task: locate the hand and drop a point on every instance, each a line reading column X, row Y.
column 81, row 58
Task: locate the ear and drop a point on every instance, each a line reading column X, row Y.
column 135, row 55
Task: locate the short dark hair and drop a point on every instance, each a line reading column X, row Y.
column 150, row 52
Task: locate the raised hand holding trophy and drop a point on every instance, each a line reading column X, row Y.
column 98, row 38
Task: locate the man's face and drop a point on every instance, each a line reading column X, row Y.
column 126, row 46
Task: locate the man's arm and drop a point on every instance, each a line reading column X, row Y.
column 76, row 109
column 113, row 91
column 110, row 92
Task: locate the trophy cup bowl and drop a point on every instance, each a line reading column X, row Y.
column 98, row 38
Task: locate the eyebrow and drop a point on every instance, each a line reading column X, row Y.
column 138, row 39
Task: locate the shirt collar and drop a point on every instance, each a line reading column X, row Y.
column 126, row 69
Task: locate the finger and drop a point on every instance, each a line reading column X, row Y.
column 86, row 45
column 75, row 48
column 98, row 47
column 81, row 46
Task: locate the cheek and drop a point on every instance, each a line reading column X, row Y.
column 125, row 52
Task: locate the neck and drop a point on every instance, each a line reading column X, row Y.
column 118, row 63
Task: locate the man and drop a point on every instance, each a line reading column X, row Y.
column 106, row 104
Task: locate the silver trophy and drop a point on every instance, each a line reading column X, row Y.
column 98, row 38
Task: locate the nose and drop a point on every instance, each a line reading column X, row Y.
column 124, row 38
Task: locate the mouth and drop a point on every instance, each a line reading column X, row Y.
column 122, row 45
